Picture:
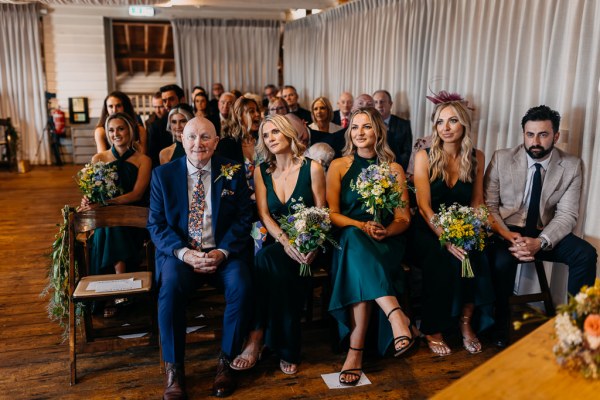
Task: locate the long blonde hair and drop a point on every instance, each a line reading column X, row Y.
column 236, row 126
column 287, row 130
column 438, row 158
column 382, row 149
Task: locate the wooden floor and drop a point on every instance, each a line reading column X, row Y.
column 34, row 362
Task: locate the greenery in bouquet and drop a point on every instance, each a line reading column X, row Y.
column 577, row 327
column 464, row 227
column 308, row 228
column 57, row 288
column 379, row 190
column 98, row 182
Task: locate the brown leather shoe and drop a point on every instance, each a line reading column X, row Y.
column 174, row 382
column 224, row 384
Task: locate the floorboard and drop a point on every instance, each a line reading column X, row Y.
column 34, row 361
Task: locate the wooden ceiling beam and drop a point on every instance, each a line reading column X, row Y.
column 165, row 38
column 146, row 39
column 146, row 67
column 161, row 68
column 130, row 67
column 142, row 56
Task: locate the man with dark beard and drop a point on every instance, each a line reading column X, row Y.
column 532, row 192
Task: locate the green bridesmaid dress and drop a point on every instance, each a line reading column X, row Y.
column 178, row 152
column 109, row 245
column 444, row 291
column 280, row 290
column 364, row 269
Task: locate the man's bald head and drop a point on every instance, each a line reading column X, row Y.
column 362, row 101
column 199, row 141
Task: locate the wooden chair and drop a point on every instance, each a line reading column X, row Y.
column 543, row 295
column 7, row 146
column 105, row 339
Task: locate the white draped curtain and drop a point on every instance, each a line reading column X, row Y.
column 21, row 79
column 240, row 54
column 504, row 56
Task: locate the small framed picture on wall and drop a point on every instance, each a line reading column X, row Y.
column 78, row 110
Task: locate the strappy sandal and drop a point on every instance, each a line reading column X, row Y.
column 249, row 358
column 288, row 368
column 354, row 372
column 438, row 347
column 471, row 345
column 410, row 339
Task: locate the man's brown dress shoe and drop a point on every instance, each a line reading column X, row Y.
column 224, row 384
column 174, row 382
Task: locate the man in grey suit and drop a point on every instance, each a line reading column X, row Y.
column 532, row 192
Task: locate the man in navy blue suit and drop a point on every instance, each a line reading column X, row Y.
column 399, row 134
column 221, row 256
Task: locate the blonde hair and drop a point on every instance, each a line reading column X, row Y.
column 382, row 149
column 286, row 129
column 328, row 106
column 438, row 158
column 236, row 127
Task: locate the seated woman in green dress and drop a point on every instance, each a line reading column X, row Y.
column 113, row 249
column 178, row 117
column 284, row 178
column 451, row 171
column 366, row 268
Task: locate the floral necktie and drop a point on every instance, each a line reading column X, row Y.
column 196, row 215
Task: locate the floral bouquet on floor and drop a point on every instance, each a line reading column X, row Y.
column 464, row 227
column 379, row 190
column 578, row 332
column 308, row 228
column 98, row 182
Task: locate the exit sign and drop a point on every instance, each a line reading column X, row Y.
column 141, row 11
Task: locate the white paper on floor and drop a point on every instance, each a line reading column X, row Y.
column 134, row 335
column 333, row 381
column 191, row 329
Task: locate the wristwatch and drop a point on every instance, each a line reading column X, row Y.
column 544, row 243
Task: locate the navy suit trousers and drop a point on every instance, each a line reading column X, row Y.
column 177, row 283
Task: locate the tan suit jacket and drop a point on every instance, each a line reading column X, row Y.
column 504, row 188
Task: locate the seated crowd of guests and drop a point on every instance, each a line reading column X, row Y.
column 214, row 169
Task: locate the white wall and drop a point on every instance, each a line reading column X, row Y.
column 75, row 56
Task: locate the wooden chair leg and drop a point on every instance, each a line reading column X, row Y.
column 545, row 288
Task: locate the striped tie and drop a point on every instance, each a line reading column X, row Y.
column 196, row 215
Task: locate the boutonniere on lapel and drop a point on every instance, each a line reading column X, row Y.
column 228, row 170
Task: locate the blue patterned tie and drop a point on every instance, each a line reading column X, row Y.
column 196, row 215
column 533, row 213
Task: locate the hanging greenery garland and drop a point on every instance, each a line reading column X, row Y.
column 58, row 278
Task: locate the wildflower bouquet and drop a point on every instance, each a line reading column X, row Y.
column 577, row 329
column 379, row 190
column 308, row 229
column 98, row 182
column 464, row 227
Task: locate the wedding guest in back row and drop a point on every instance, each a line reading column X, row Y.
column 366, row 268
column 399, row 132
column 290, row 95
column 451, row 171
column 341, row 116
column 158, row 136
column 285, row 178
column 533, row 191
column 199, row 220
column 178, row 118
column 277, row 105
column 118, row 249
column 322, row 130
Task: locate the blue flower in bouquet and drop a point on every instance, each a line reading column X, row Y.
column 98, row 182
column 464, row 227
column 379, row 190
column 308, row 228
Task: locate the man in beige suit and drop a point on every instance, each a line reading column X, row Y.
column 532, row 192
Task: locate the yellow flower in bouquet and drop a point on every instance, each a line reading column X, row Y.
column 379, row 190
column 464, row 227
column 98, row 182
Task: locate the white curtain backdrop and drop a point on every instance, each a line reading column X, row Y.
column 504, row 56
column 240, row 54
column 21, row 79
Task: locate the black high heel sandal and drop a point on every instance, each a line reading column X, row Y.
column 410, row 346
column 355, row 372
